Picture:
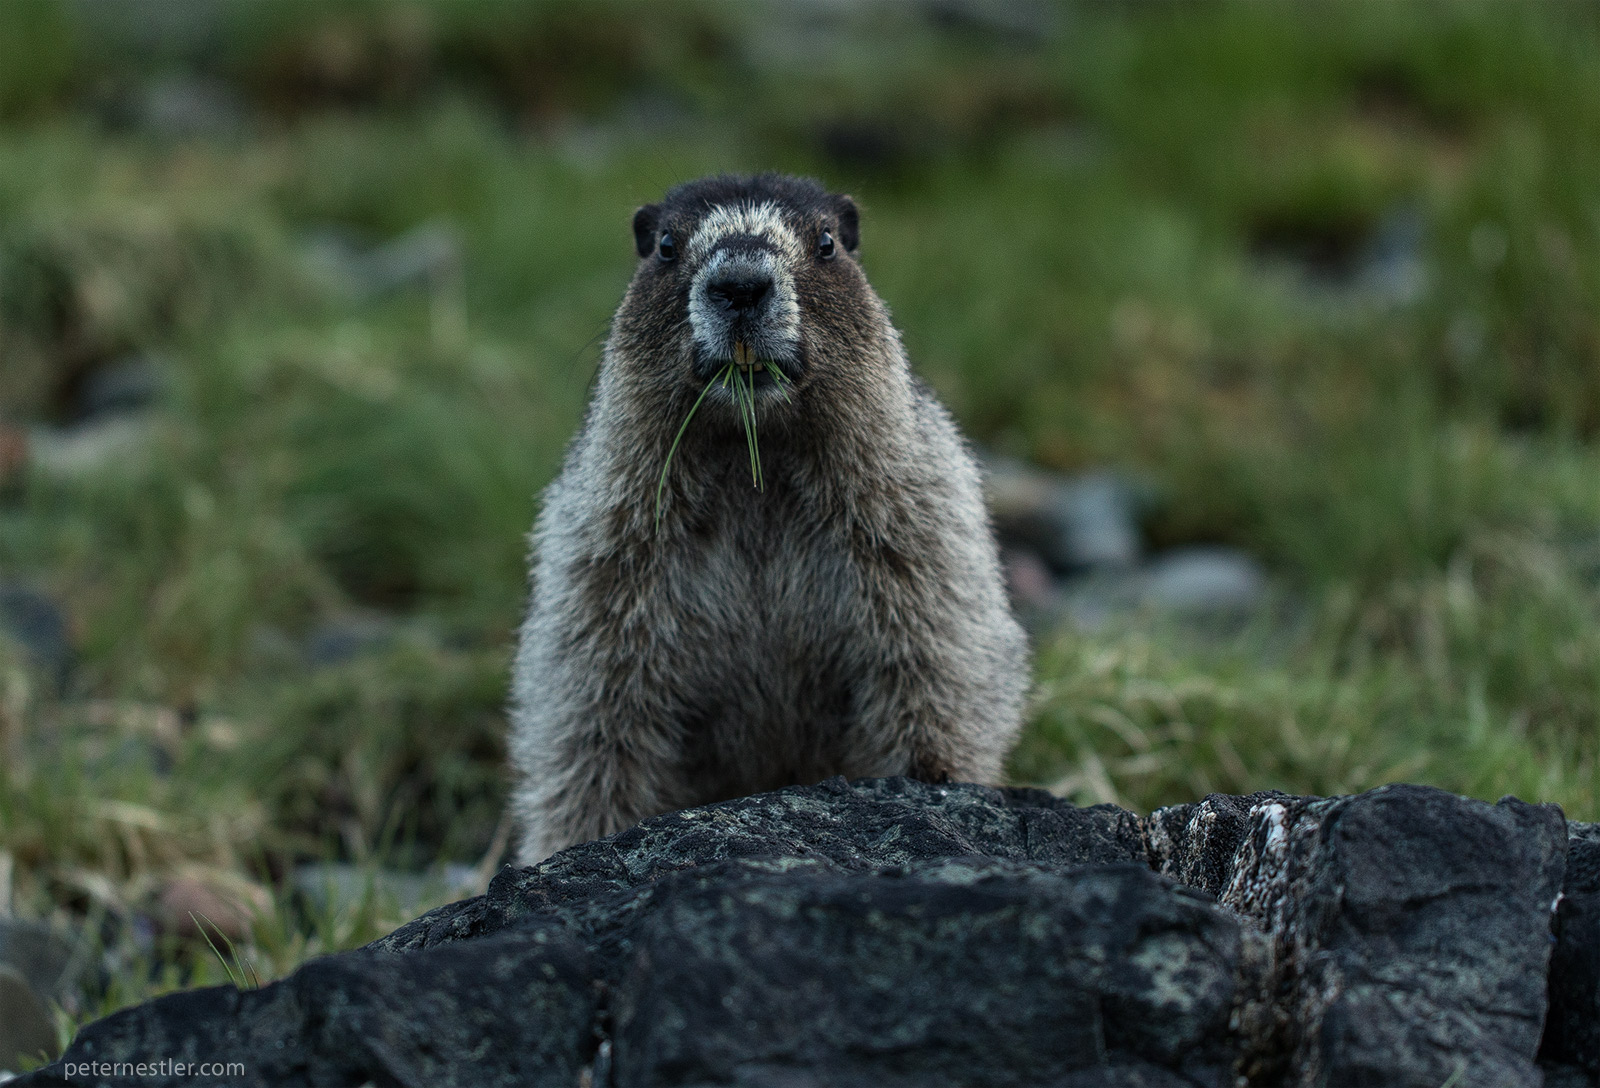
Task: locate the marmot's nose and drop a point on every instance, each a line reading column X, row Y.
column 741, row 292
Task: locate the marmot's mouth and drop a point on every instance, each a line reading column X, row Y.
column 744, row 361
column 754, row 368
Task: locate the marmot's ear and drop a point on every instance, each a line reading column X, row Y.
column 849, row 222
column 644, row 228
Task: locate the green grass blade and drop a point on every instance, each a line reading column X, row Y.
column 755, row 444
column 661, row 487
column 201, row 921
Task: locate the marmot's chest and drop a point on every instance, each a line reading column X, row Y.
column 744, row 576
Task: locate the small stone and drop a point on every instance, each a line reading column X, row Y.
column 1204, row 582
column 428, row 256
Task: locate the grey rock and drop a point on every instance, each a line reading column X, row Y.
column 26, row 1031
column 38, row 624
column 124, row 385
column 428, row 256
column 93, row 447
column 898, row 933
column 1205, row 581
column 1572, row 1034
column 1074, row 523
column 46, row 961
column 1394, row 266
column 1202, row 585
column 183, row 106
column 348, row 637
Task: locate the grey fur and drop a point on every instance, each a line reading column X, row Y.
column 850, row 619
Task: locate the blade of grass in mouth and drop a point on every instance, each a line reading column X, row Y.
column 662, row 485
column 755, row 446
column 744, row 398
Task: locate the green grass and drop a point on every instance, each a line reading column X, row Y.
column 1089, row 243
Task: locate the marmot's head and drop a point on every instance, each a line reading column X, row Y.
column 757, row 272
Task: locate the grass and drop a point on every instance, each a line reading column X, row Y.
column 744, row 400
column 1143, row 238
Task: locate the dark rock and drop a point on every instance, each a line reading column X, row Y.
column 1409, row 930
column 959, row 973
column 897, row 933
column 834, row 827
column 1198, row 844
column 1572, row 1032
column 514, row 1009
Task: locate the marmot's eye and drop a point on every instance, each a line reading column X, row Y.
column 669, row 248
column 825, row 246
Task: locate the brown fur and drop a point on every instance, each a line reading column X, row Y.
column 849, row 619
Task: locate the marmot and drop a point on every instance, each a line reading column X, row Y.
column 847, row 618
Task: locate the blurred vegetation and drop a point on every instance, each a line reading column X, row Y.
column 1327, row 275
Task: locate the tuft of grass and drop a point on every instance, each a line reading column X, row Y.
column 241, row 972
